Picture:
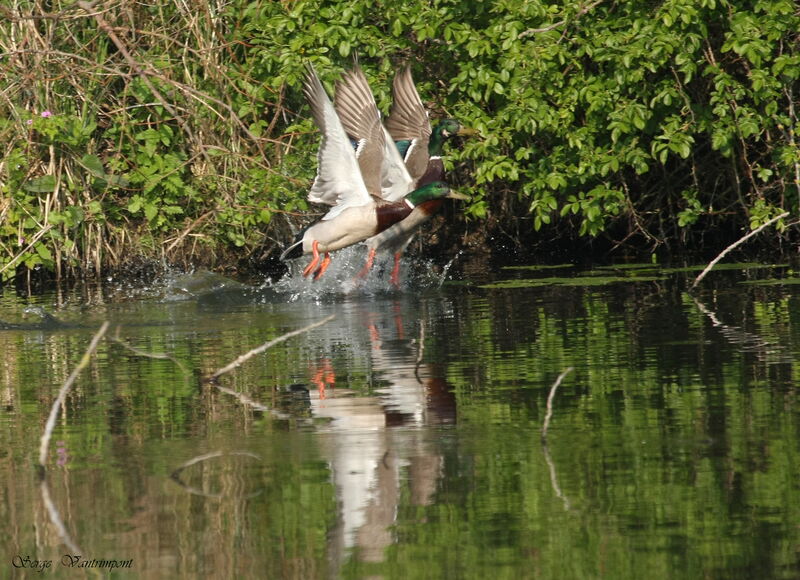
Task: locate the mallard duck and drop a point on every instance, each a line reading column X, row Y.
column 350, row 181
column 396, row 238
column 409, row 127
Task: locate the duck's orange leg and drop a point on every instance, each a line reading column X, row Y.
column 315, row 261
column 323, row 266
column 368, row 266
column 395, row 277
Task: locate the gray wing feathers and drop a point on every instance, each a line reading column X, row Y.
column 408, row 120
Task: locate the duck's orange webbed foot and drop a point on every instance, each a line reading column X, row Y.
column 324, row 377
column 310, row 268
column 323, row 266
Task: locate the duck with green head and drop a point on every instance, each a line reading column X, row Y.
column 350, row 181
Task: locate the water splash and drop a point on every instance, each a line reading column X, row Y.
column 447, row 266
column 342, row 277
column 340, row 280
column 199, row 283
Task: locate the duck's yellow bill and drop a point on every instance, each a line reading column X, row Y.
column 455, row 195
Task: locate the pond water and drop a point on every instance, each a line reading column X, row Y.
column 403, row 438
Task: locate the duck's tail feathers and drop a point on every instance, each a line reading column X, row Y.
column 295, row 250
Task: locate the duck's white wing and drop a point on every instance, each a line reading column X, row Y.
column 338, row 181
column 381, row 165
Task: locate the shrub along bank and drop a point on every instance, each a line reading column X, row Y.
column 178, row 133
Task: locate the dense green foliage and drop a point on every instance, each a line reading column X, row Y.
column 181, row 133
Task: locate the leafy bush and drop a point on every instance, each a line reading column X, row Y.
column 179, row 134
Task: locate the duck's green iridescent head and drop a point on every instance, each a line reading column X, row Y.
column 431, row 191
column 443, row 130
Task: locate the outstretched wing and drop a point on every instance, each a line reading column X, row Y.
column 338, row 182
column 408, row 121
column 382, row 167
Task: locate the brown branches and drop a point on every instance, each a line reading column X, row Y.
column 134, row 65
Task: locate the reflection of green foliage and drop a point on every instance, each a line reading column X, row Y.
column 662, row 462
column 669, row 119
column 674, row 443
column 625, row 273
column 579, row 281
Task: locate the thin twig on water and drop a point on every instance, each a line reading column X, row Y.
column 733, row 245
column 62, row 394
column 552, row 394
column 554, row 476
column 421, row 349
column 258, row 350
column 176, row 475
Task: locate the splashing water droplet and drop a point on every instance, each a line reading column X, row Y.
column 447, row 266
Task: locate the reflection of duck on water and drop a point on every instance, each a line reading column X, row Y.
column 369, row 451
column 323, row 376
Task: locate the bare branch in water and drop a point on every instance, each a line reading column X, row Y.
column 258, row 350
column 554, row 476
column 421, row 349
column 249, row 402
column 55, row 518
column 52, row 511
column 552, row 394
column 733, row 245
column 62, row 394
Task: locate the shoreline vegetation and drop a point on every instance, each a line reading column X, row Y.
column 135, row 134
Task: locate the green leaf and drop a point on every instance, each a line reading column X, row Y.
column 43, row 184
column 135, row 204
column 44, row 252
column 93, row 164
column 150, row 211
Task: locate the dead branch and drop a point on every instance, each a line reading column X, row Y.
column 156, row 355
column 734, row 245
column 258, row 350
column 62, row 394
column 55, row 518
column 552, row 394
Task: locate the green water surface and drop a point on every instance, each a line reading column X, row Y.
column 403, row 439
